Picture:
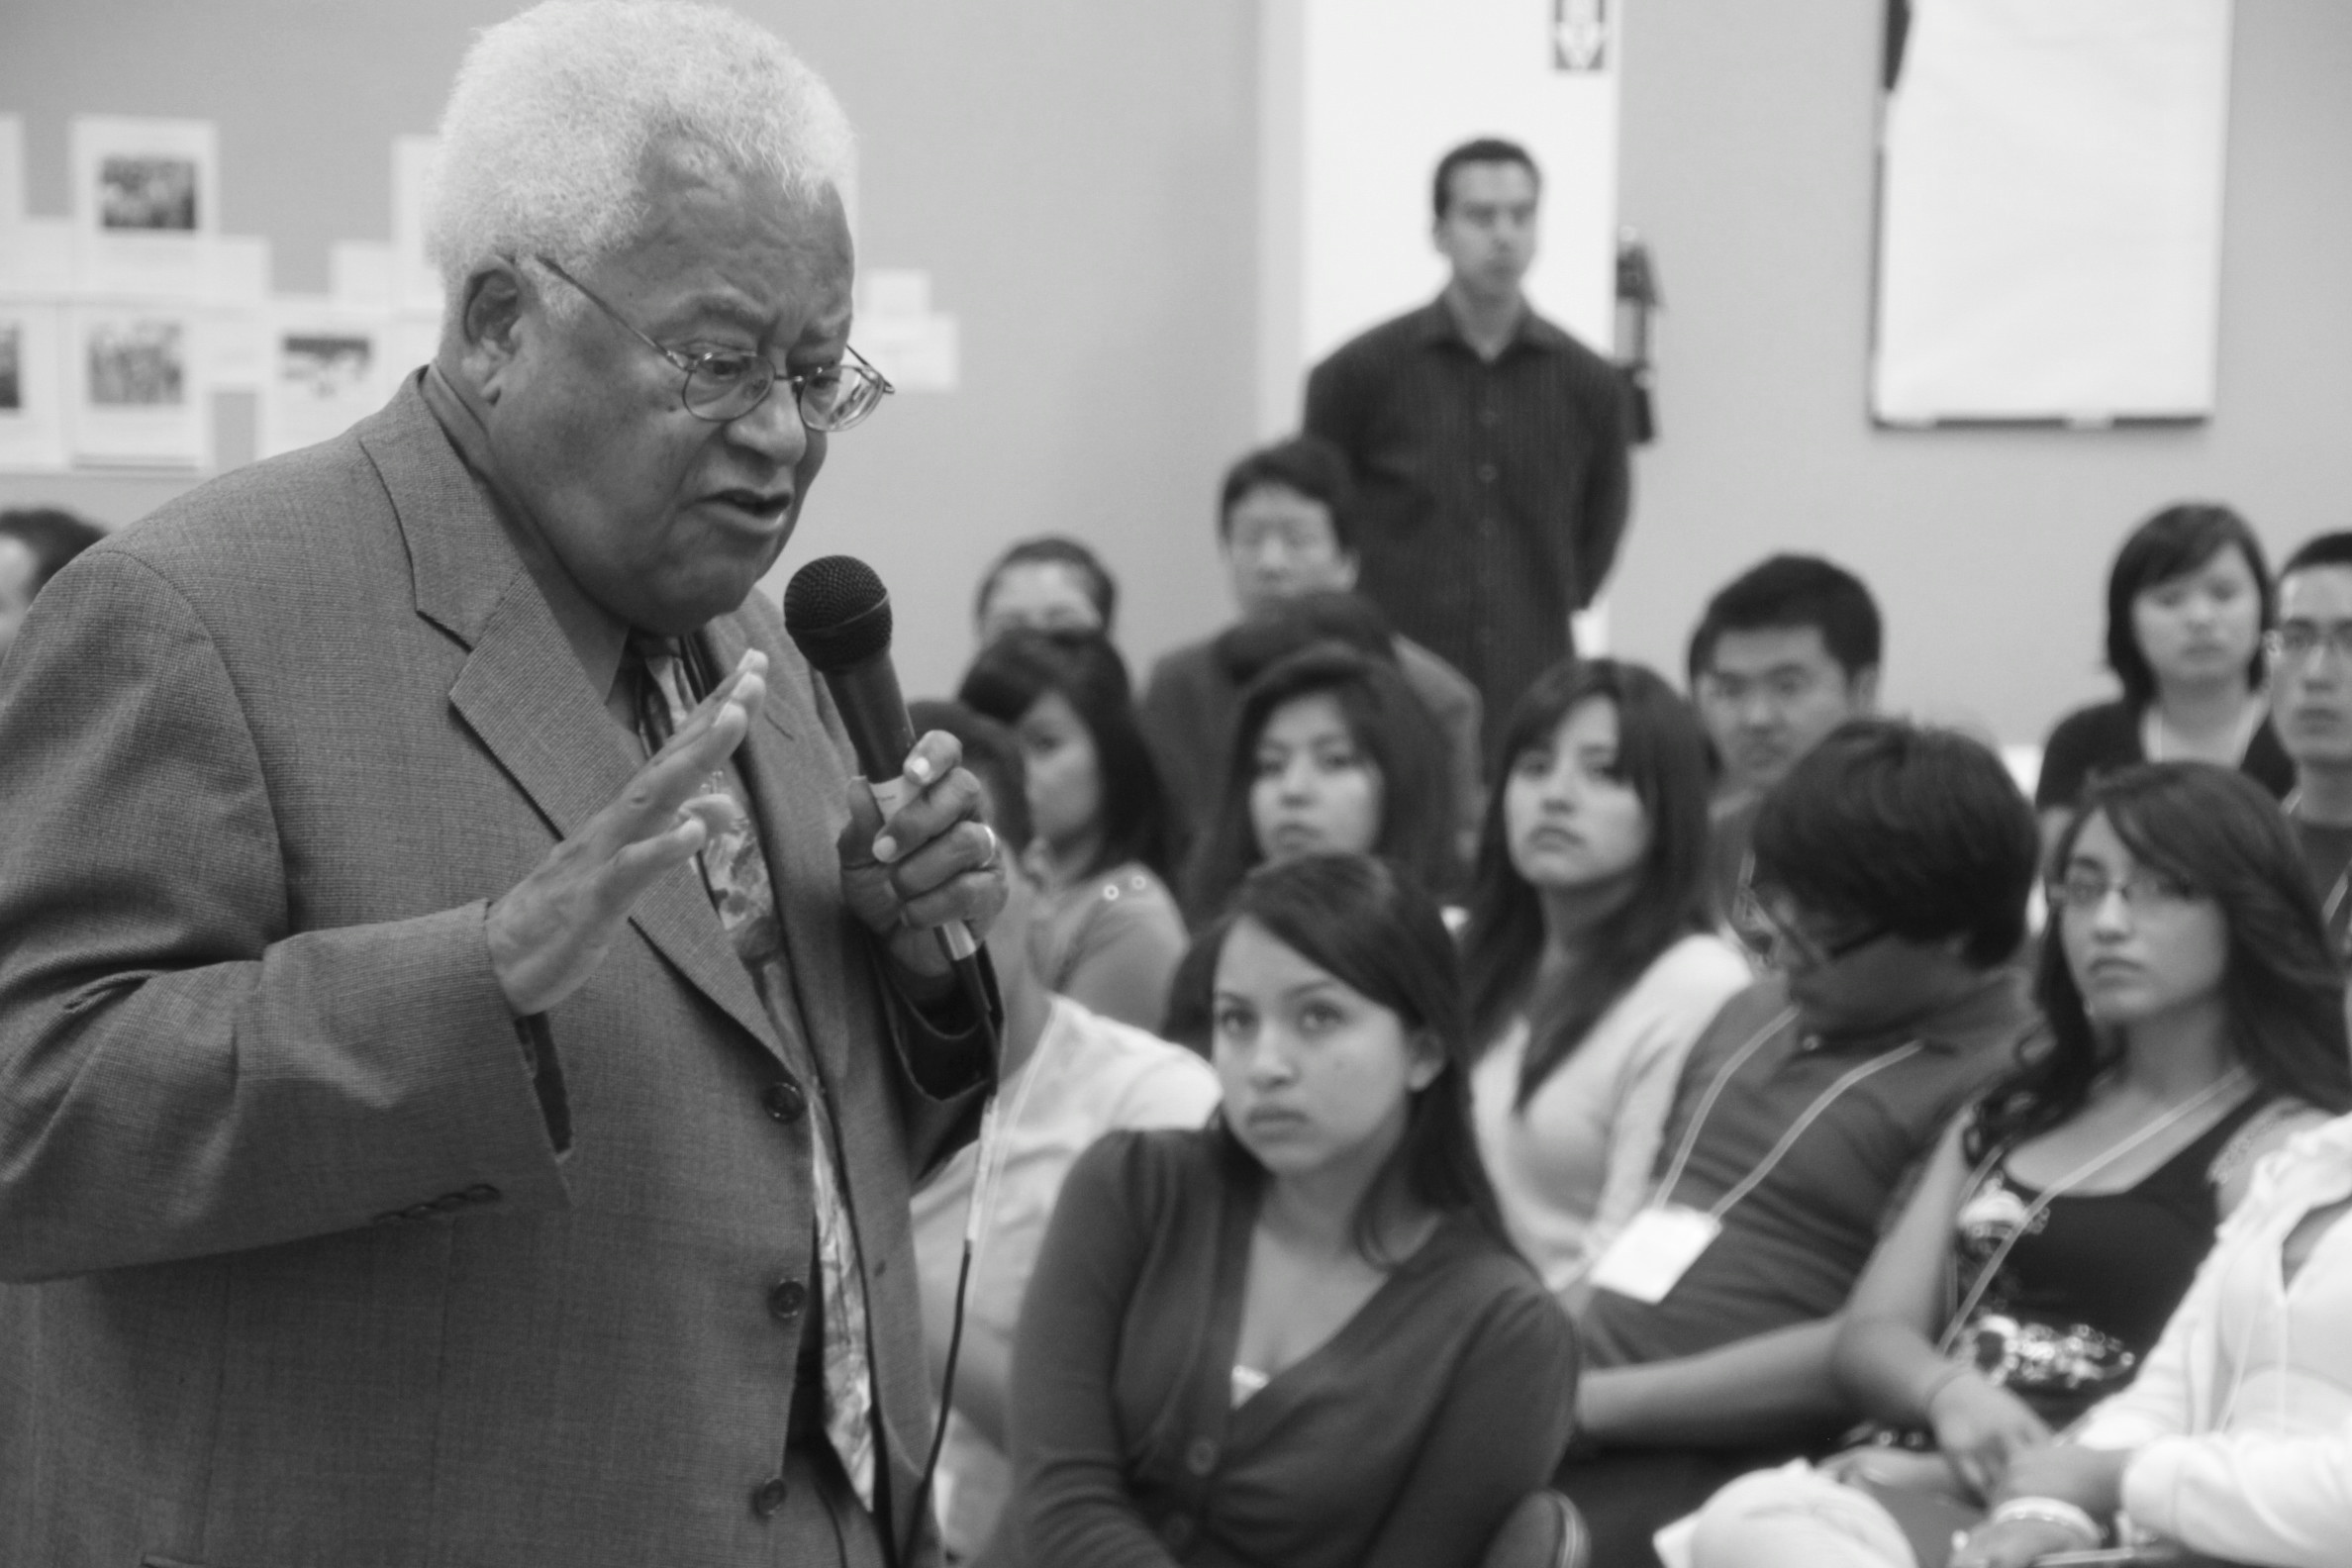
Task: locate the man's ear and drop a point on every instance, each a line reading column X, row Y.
column 490, row 326
column 1349, row 563
column 1862, row 689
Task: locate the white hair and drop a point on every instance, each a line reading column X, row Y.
column 554, row 112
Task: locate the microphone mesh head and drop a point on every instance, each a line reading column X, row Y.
column 838, row 612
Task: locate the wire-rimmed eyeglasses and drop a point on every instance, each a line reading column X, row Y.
column 725, row 384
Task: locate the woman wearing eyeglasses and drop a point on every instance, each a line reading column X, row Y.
column 1591, row 968
column 2196, row 1021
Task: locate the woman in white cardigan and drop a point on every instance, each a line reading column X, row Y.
column 2235, row 1440
column 1590, row 964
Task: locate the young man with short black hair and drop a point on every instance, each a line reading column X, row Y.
column 1285, row 524
column 2311, row 684
column 1893, row 864
column 1785, row 653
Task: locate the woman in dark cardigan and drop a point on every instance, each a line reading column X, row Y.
column 1300, row 1335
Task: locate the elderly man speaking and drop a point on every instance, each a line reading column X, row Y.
column 464, row 1038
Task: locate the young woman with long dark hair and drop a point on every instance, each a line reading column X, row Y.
column 1108, row 934
column 1330, row 752
column 1591, row 966
column 1300, row 1335
column 2188, row 602
column 2195, row 1022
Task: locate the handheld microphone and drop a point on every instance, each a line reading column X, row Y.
column 837, row 614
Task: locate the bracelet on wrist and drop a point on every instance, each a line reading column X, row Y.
column 2055, row 1511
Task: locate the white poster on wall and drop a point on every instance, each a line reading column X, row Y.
column 134, row 392
column 32, row 390
column 12, row 171
column 415, row 285
column 325, row 369
column 145, row 203
column 1388, row 86
column 2050, row 211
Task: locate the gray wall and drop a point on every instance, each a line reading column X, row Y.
column 1748, row 147
column 1078, row 178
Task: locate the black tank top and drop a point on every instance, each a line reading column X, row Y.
column 2084, row 1293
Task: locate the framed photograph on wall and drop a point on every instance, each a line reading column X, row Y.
column 322, row 370
column 135, row 395
column 32, row 389
column 146, row 204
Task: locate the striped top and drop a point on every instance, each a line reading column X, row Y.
column 1490, row 495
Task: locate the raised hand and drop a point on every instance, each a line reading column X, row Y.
column 548, row 932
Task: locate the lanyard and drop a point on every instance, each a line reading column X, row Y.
column 2236, row 1078
column 1788, row 1140
column 2334, row 901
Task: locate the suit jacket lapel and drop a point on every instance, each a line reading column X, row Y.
column 522, row 692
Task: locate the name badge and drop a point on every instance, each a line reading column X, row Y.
column 1653, row 1252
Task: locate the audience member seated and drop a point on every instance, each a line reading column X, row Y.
column 1107, row 933
column 1330, row 750
column 2310, row 660
column 1895, row 863
column 1285, row 524
column 1785, row 653
column 2196, row 1022
column 1301, row 1335
column 35, row 545
column 1067, row 1077
column 1050, row 584
column 2187, row 605
column 1589, row 959
column 2232, row 1443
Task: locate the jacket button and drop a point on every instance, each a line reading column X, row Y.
column 1201, row 1457
column 1177, row 1530
column 769, row 1496
column 785, row 1100
column 788, row 1298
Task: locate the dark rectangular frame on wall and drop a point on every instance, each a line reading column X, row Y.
column 2047, row 213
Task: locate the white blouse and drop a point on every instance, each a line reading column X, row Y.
column 1575, row 1163
column 2241, row 1414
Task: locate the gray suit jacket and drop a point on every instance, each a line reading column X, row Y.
column 304, row 1279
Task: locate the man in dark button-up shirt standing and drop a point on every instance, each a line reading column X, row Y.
column 1487, row 444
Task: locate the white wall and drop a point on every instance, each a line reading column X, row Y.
column 1747, row 136
column 1359, row 100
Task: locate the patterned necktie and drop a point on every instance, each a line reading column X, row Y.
column 736, row 872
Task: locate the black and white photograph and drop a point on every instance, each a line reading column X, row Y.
column 138, row 362
column 1300, row 783
column 145, row 206
column 324, row 367
column 147, row 193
